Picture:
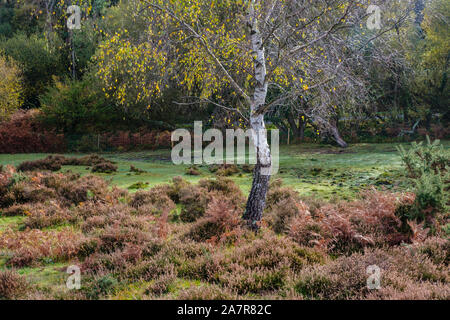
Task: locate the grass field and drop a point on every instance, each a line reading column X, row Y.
column 312, row 170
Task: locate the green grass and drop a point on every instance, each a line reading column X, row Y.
column 313, row 170
column 11, row 222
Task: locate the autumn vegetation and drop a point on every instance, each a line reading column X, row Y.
column 187, row 241
column 76, row 104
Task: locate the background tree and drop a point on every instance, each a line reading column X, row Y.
column 38, row 62
column 10, row 87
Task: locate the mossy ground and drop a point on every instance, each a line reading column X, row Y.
column 313, row 170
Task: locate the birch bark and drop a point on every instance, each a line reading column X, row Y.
column 261, row 175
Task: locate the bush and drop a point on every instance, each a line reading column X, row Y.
column 174, row 189
column 50, row 163
column 221, row 223
column 429, row 158
column 78, row 107
column 428, row 166
column 282, row 212
column 210, row 292
column 153, row 201
column 54, row 163
column 346, row 227
column 225, row 186
column 23, row 133
column 346, row 278
column 104, row 167
column 12, row 285
column 46, row 215
column 30, row 247
column 100, row 287
column 162, row 284
column 195, row 201
column 193, row 171
column 278, row 193
column 227, row 170
column 262, row 265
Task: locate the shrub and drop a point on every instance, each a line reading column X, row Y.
column 227, row 170
column 153, row 201
column 277, row 193
column 428, row 165
column 30, row 192
column 195, row 201
column 193, row 171
column 50, row 163
column 43, row 215
column 118, row 236
column 221, row 223
column 79, row 107
column 89, row 160
column 37, row 73
column 29, row 247
column 345, row 278
column 6, row 174
column 162, row 284
column 142, row 138
column 174, row 189
column 283, row 212
column 262, row 265
column 436, row 249
column 104, row 167
column 54, row 163
column 100, row 287
column 139, row 185
column 84, row 189
column 136, row 170
column 12, row 285
column 206, row 292
column 429, row 158
column 345, row 227
column 225, row 186
column 23, row 133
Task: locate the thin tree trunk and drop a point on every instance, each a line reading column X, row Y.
column 261, row 175
column 301, row 127
column 292, row 124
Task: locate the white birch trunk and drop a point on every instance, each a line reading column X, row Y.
column 261, row 175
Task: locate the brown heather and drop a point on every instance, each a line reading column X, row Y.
column 122, row 240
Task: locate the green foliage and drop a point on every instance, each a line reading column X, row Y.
column 10, row 87
column 430, row 192
column 6, row 15
column 38, row 62
column 430, row 158
column 78, row 107
column 431, row 58
column 100, row 286
column 427, row 165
